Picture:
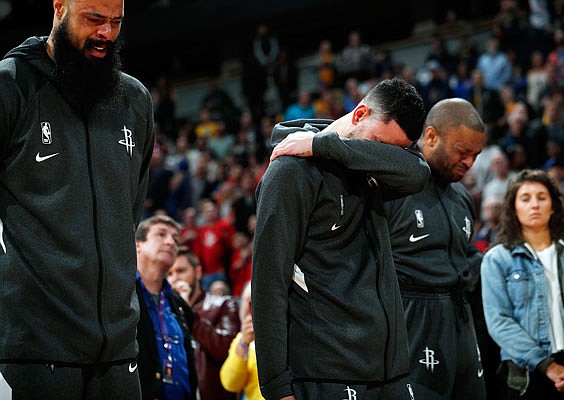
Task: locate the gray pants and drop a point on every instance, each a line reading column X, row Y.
column 47, row 382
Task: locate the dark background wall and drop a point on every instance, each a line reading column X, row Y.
column 194, row 36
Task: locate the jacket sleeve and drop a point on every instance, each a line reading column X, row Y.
column 233, row 372
column 398, row 172
column 215, row 339
column 498, row 309
column 147, row 154
column 285, row 198
column 11, row 101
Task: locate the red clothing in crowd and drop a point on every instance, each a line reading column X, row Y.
column 214, row 246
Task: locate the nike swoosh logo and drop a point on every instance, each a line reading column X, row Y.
column 414, row 239
column 480, row 373
column 335, row 227
column 132, row 367
column 40, row 158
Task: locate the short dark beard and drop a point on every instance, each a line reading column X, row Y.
column 86, row 82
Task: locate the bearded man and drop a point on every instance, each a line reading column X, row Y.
column 77, row 139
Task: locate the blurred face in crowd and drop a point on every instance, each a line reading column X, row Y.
column 160, row 246
column 182, row 271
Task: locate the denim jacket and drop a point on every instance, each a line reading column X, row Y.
column 515, row 292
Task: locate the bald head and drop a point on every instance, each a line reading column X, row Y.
column 452, row 113
column 453, row 136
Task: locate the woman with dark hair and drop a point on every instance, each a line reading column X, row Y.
column 522, row 282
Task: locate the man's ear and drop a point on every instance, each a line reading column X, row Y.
column 359, row 113
column 432, row 137
column 198, row 272
column 59, row 6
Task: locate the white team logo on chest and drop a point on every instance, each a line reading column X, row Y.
column 127, row 141
column 467, row 228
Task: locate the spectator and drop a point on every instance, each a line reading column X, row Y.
column 189, row 230
column 215, row 324
column 486, row 235
column 494, row 65
column 522, row 288
column 502, row 176
column 164, row 100
column 437, row 88
column 206, row 127
column 239, row 371
column 214, row 244
column 355, row 59
column 240, row 265
column 325, row 64
column 220, row 104
column 486, row 101
column 220, row 145
column 265, row 47
column 166, row 364
column 537, row 79
column 285, row 74
column 301, row 109
column 440, row 54
column 556, row 172
column 556, row 55
column 158, row 187
column 461, row 82
column 353, row 95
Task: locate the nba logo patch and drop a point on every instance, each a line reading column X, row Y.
column 419, row 219
column 46, row 137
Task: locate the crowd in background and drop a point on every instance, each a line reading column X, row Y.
column 204, row 171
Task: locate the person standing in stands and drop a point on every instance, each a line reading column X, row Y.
column 166, row 359
column 76, row 138
column 522, row 282
column 215, row 324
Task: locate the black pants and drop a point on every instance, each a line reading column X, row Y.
column 444, row 357
column 397, row 390
column 47, row 382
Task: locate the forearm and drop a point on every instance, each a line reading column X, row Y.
column 396, row 168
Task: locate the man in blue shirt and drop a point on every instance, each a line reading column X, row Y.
column 166, row 362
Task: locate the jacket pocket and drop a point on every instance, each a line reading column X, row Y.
column 520, row 286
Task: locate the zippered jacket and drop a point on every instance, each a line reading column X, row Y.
column 326, row 304
column 71, row 195
column 431, row 234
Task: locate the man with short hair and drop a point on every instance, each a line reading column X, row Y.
column 327, row 312
column 437, row 265
column 76, row 138
column 166, row 365
column 216, row 323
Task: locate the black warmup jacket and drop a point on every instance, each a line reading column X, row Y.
column 431, row 234
column 71, row 195
column 326, row 303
